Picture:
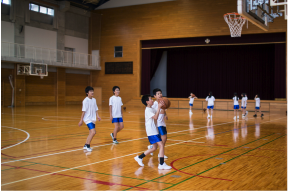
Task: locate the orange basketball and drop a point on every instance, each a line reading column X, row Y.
column 167, row 103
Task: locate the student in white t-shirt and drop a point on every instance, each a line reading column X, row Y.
column 246, row 103
column 116, row 113
column 89, row 114
column 243, row 104
column 192, row 97
column 210, row 98
column 257, row 106
column 152, row 132
column 236, row 106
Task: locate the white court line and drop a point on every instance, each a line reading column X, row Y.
column 28, row 135
column 113, row 143
column 96, row 162
column 87, row 164
column 100, row 145
column 186, row 141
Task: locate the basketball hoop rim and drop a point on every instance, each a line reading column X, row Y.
column 227, row 14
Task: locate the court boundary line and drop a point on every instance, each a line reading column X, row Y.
column 28, row 135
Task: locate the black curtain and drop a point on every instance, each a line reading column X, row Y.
column 150, row 62
column 280, row 71
column 222, row 70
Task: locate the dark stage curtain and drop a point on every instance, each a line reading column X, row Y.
column 223, row 70
column 150, row 63
column 280, row 71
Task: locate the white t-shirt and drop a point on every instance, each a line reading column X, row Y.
column 244, row 101
column 236, row 99
column 116, row 103
column 191, row 100
column 161, row 119
column 150, row 126
column 257, row 102
column 210, row 100
column 90, row 108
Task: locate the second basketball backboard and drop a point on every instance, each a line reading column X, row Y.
column 261, row 12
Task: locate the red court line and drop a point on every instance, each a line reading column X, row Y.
column 92, row 180
column 172, row 165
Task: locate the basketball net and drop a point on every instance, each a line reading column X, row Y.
column 235, row 23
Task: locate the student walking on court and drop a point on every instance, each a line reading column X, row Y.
column 89, row 114
column 192, row 97
column 152, row 132
column 257, row 106
column 243, row 104
column 236, row 106
column 161, row 119
column 210, row 98
column 116, row 113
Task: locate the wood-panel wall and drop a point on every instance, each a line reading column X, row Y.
column 75, row 87
column 127, row 26
column 6, row 89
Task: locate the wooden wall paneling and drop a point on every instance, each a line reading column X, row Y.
column 127, row 26
column 40, row 90
column 61, row 86
column 98, row 95
column 75, row 87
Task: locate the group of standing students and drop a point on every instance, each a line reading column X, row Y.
column 211, row 99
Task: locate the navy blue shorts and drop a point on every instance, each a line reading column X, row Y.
column 191, row 104
column 243, row 107
column 210, row 107
column 236, row 106
column 154, row 139
column 117, row 120
column 91, row 126
column 162, row 130
column 257, row 107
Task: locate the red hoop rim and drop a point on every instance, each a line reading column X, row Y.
column 234, row 14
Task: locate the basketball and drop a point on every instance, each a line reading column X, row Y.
column 167, row 103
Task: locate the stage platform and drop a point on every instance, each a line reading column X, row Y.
column 220, row 104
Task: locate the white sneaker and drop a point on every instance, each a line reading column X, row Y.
column 85, row 147
column 150, row 147
column 89, row 149
column 115, row 142
column 164, row 166
column 139, row 160
column 237, row 117
column 165, row 157
column 234, row 117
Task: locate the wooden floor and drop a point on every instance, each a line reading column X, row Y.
column 42, row 150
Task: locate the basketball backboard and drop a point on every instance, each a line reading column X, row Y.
column 33, row 69
column 260, row 12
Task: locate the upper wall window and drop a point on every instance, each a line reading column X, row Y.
column 7, row 2
column 118, row 51
column 41, row 9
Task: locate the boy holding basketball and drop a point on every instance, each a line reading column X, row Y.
column 152, row 132
column 161, row 119
column 89, row 114
column 116, row 113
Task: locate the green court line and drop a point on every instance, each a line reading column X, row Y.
column 33, row 163
column 223, row 162
column 202, row 161
column 18, row 167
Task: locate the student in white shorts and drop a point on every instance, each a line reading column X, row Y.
column 89, row 114
column 152, row 132
column 191, row 101
column 257, row 106
column 236, row 106
column 210, row 106
column 116, row 113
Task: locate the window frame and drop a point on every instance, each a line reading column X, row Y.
column 9, row 2
column 118, row 52
column 39, row 7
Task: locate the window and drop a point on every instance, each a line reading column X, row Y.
column 40, row 9
column 118, row 51
column 7, row 2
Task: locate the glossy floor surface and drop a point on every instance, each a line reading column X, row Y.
column 42, row 149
